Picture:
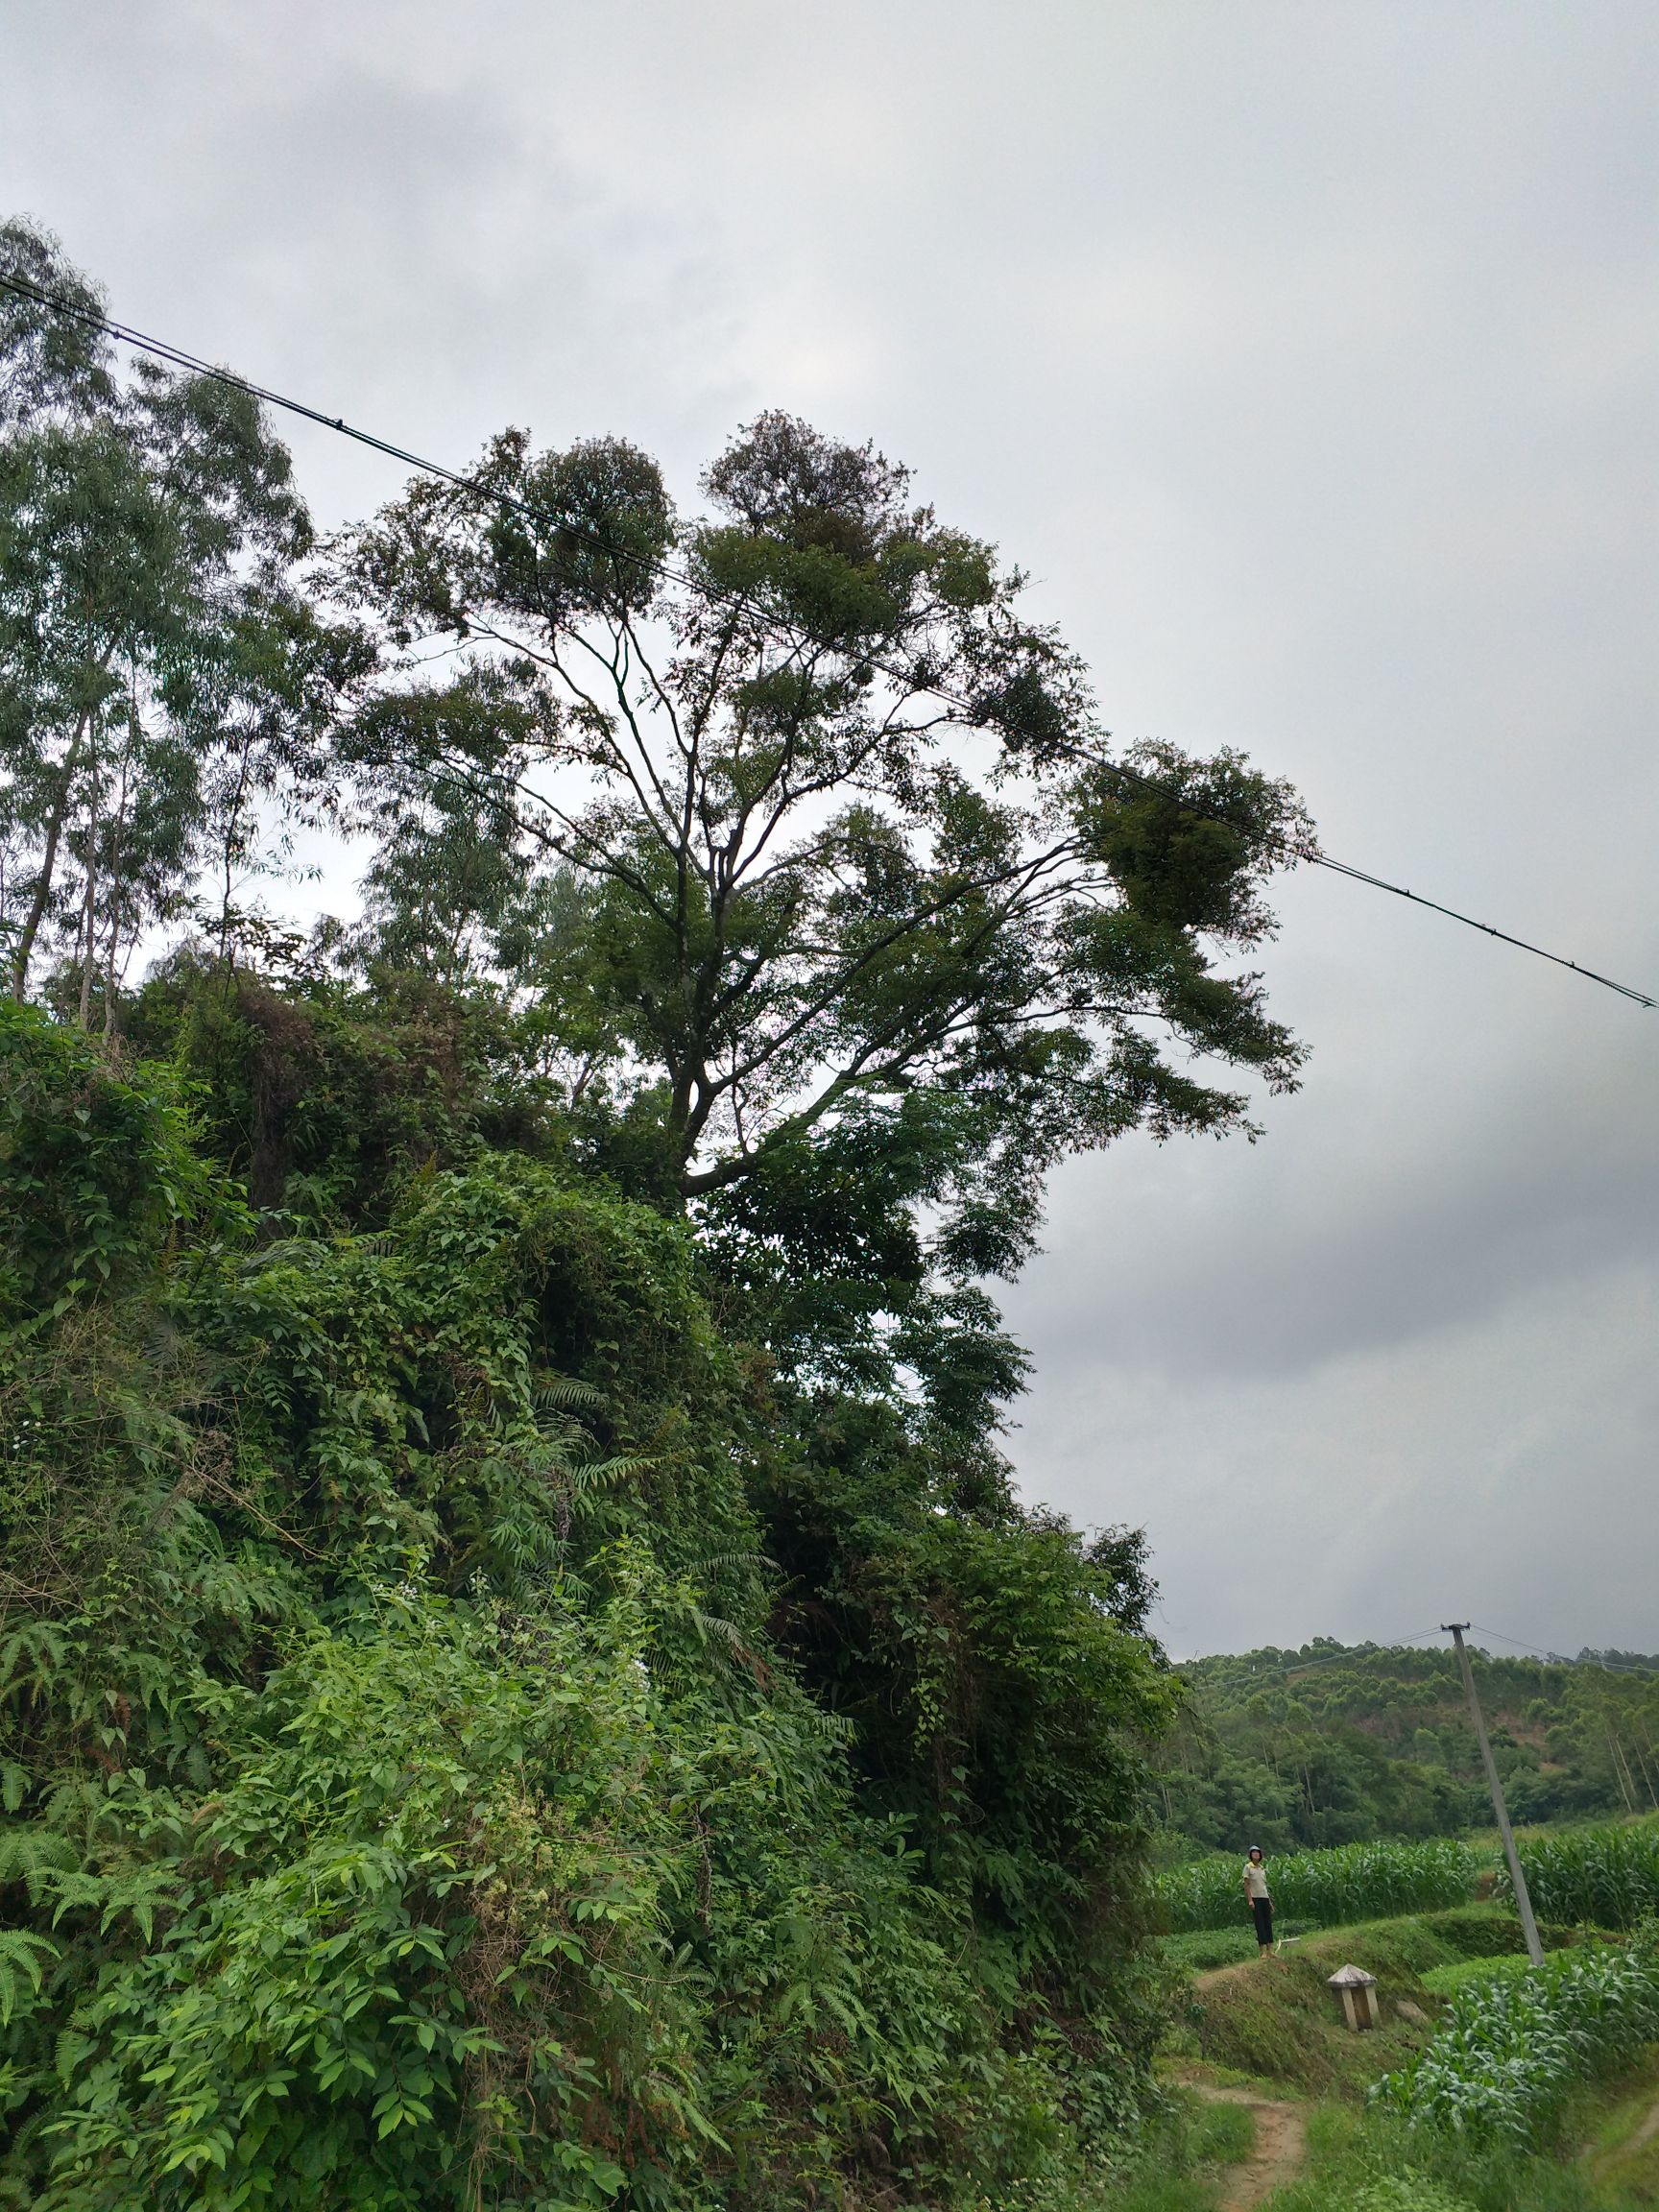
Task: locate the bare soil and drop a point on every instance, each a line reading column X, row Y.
column 1279, row 2146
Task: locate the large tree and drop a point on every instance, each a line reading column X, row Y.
column 808, row 842
column 160, row 675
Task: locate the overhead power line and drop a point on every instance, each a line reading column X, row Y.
column 1560, row 1659
column 177, row 357
column 1557, row 959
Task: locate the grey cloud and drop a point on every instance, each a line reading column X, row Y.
column 1307, row 356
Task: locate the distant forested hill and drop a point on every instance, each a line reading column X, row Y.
column 1336, row 1743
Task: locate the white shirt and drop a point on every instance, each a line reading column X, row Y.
column 1255, row 1878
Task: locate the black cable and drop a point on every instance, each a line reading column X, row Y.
column 1377, row 884
column 161, row 350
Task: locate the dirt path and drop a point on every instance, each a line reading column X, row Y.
column 1281, row 2143
column 1609, row 2161
column 1642, row 2137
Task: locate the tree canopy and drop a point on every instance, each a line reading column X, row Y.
column 159, row 669
column 804, row 835
column 524, row 1678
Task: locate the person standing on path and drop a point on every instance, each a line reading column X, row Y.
column 1260, row 1899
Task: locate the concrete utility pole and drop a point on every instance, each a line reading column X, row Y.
column 1524, row 1903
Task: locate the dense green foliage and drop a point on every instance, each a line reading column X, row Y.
column 1511, row 2048
column 1334, row 1743
column 409, row 1804
column 1174, row 2163
column 1349, row 1882
column 523, row 1679
column 1606, row 1876
column 1376, row 2161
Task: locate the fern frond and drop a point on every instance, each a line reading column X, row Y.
column 563, row 1393
column 34, row 1856
column 22, row 1965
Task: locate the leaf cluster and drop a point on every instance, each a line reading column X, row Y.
column 416, row 1792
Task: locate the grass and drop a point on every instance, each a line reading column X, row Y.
column 1447, row 1981
column 1275, row 2021
column 1614, row 2151
column 1207, row 1948
column 1175, row 2164
column 1470, row 1931
column 1359, row 2162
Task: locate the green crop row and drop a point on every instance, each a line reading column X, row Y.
column 1460, row 1973
column 1353, row 1881
column 1608, row 1876
column 1508, row 2049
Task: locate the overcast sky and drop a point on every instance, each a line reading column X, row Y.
column 1308, row 356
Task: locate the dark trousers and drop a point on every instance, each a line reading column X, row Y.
column 1261, row 1908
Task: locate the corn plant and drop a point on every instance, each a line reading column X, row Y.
column 1608, row 1876
column 1352, row 1882
column 1509, row 2051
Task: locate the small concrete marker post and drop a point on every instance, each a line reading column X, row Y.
column 1358, row 1995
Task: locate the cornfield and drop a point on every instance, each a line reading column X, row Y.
column 1606, row 1876
column 1507, row 2051
column 1353, row 1881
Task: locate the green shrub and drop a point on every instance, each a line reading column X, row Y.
column 95, row 1170
column 407, row 1803
column 1406, row 2192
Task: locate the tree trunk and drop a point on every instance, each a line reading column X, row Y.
column 116, row 889
column 89, row 904
column 48, row 862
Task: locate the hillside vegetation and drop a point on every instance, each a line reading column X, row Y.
column 415, row 1781
column 523, row 1679
column 1337, row 1743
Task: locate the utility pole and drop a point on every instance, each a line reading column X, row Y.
column 1524, row 1903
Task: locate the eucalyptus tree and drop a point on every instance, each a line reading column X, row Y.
column 847, row 886
column 159, row 668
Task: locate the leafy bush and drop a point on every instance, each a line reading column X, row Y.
column 1328, row 1888
column 1169, row 2162
column 95, row 1172
column 1510, row 2049
column 406, row 1804
column 1608, row 1877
